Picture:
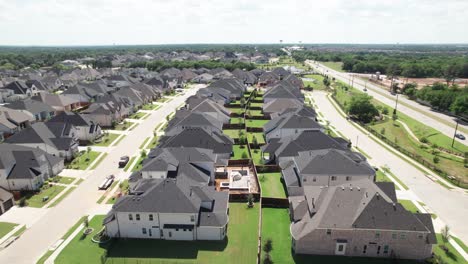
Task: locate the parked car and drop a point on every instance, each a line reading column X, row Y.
column 365, row 90
column 107, row 182
column 123, row 161
column 460, row 136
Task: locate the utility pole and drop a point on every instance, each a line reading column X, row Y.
column 396, row 105
column 357, row 140
column 455, row 134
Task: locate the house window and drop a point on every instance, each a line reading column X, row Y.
column 143, row 230
column 385, row 249
column 378, row 250
column 137, row 216
column 328, row 231
column 314, row 179
column 377, row 234
column 394, row 235
column 192, row 218
column 130, row 217
column 170, row 234
column 420, row 236
column 364, row 250
column 333, row 178
column 177, row 229
column 185, row 230
column 402, row 236
column 348, row 178
column 151, row 217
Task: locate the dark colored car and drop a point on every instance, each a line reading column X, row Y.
column 123, row 161
column 460, row 136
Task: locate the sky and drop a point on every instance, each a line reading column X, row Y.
column 126, row 22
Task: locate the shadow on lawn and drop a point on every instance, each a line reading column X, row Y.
column 161, row 249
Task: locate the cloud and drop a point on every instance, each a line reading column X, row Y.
column 103, row 22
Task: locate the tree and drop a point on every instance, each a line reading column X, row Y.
column 445, row 232
column 436, row 159
column 242, row 102
column 86, row 222
column 268, row 246
column 254, row 141
column 143, row 153
column 267, row 259
column 394, row 117
column 244, row 155
column 88, row 150
column 450, row 73
column 362, row 108
column 326, row 81
column 250, row 200
column 460, row 105
column 385, row 110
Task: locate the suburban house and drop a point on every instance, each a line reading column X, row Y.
column 203, row 78
column 205, row 105
column 59, row 102
column 39, row 110
column 86, row 129
column 56, row 139
column 268, row 79
column 52, row 83
column 245, row 76
column 187, row 119
column 109, row 109
column 359, row 218
column 22, row 89
column 13, row 121
column 6, row 200
column 289, row 125
column 284, row 90
column 235, row 86
column 172, row 198
column 26, row 168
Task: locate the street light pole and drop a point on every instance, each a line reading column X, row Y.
column 396, row 105
column 455, row 134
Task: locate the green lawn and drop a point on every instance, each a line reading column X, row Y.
column 238, row 152
column 107, row 139
column 123, row 126
column 137, row 115
column 144, row 142
column 275, row 226
column 237, row 110
column 316, row 83
column 255, row 112
column 139, row 164
column 150, row 107
column 240, row 247
column 232, row 133
column 409, row 205
column 83, row 161
column 62, row 197
column 450, row 257
column 256, row 104
column 259, row 136
column 162, row 100
column 63, row 179
column 256, row 123
column 272, row 185
column 337, row 66
column 257, row 157
column 236, row 120
column 99, row 161
column 129, row 163
column 153, row 142
column 6, row 228
column 460, row 243
column 34, row 199
column 381, row 177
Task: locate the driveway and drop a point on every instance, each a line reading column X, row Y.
column 50, row 227
column 413, row 109
column 451, row 206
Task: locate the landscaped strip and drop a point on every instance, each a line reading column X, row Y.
column 6, row 228
column 67, row 192
column 99, row 161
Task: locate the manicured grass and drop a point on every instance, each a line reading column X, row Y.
column 240, row 247
column 113, row 198
column 67, row 192
column 83, row 161
column 257, row 157
column 99, row 161
column 107, row 139
column 396, row 179
column 316, row 82
column 6, row 228
column 381, row 177
column 137, row 115
column 450, row 257
column 337, row 66
column 272, row 185
column 158, row 126
column 79, row 181
column 63, row 179
column 256, row 104
column 123, row 126
column 460, row 243
column 150, row 107
column 44, row 257
column 256, row 123
column 81, row 249
column 162, row 100
column 144, row 142
column 153, row 142
column 236, row 120
column 259, row 136
column 20, row 231
column 118, row 140
column 275, row 226
column 232, row 133
column 139, row 164
column 409, row 205
column 238, row 152
column 254, row 112
column 237, row 110
column 35, row 199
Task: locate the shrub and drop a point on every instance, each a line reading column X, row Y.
column 436, row 159
column 22, row 202
column 382, row 131
column 268, row 246
column 424, row 140
column 244, row 155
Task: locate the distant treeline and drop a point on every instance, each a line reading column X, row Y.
column 413, row 65
column 14, row 58
column 441, row 96
column 209, row 64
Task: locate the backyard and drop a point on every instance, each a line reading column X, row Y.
column 239, row 247
column 256, row 123
column 240, row 152
column 271, row 184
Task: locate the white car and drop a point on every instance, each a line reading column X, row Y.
column 107, row 182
